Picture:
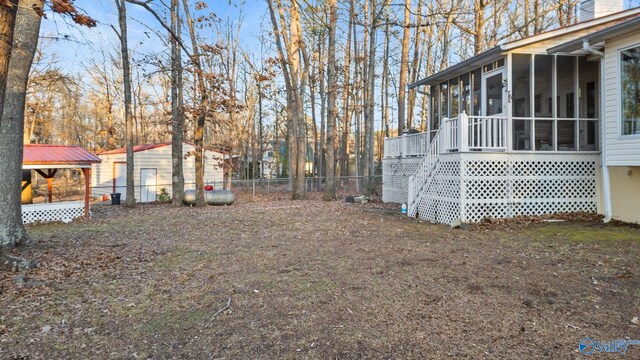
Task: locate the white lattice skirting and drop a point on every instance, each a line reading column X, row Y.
column 62, row 211
column 472, row 187
column 395, row 178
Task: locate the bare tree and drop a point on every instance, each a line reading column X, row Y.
column 330, row 186
column 404, row 67
column 23, row 49
column 130, row 200
column 289, row 56
column 177, row 118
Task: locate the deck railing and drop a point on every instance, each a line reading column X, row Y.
column 475, row 133
column 406, row 145
column 487, row 133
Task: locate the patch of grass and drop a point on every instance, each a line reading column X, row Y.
column 314, row 286
column 160, row 322
column 580, row 233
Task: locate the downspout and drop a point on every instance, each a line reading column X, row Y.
column 603, row 133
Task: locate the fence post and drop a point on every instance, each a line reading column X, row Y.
column 463, row 132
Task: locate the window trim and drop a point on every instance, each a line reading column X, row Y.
column 622, row 136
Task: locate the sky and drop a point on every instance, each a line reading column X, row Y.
column 72, row 45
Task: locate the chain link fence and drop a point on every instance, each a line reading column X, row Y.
column 352, row 185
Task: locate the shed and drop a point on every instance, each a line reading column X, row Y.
column 152, row 170
column 46, row 160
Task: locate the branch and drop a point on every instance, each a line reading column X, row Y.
column 145, row 4
column 219, row 311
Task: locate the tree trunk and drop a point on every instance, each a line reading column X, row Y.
column 323, row 106
column 177, row 118
column 25, row 42
column 370, row 101
column 357, row 104
column 346, row 113
column 291, row 70
column 330, row 186
column 7, row 23
column 479, row 20
column 126, row 75
column 385, row 79
column 418, row 50
column 203, row 106
column 404, row 67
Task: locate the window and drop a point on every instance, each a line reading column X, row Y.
column 630, row 90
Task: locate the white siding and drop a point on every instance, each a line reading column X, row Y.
column 621, row 150
column 160, row 159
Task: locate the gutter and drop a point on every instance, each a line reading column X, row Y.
column 603, row 132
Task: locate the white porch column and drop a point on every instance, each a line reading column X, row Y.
column 404, row 145
column 463, row 132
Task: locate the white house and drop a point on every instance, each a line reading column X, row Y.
column 152, row 170
column 541, row 125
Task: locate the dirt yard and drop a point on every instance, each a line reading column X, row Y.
column 309, row 279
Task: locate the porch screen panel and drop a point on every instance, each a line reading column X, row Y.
column 566, row 90
column 544, row 135
column 522, row 134
column 543, row 84
column 521, row 85
column 587, row 79
column 630, row 90
column 588, row 130
column 476, row 80
column 444, row 99
column 435, row 108
column 465, row 97
column 567, row 135
column 566, row 102
column 454, row 91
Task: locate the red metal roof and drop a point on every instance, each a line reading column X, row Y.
column 136, row 148
column 36, row 154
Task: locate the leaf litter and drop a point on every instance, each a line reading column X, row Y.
column 273, row 278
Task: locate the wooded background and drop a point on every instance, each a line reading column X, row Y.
column 320, row 82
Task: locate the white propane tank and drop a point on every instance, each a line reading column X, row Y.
column 403, row 209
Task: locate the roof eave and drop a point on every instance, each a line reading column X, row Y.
column 596, row 37
column 469, row 63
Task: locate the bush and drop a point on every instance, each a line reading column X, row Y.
column 164, row 196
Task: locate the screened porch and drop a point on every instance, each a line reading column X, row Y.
column 515, row 103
